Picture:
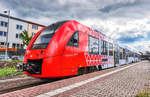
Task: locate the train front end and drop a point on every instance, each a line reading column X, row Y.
column 40, row 58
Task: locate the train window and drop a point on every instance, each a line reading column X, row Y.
column 46, row 35
column 110, row 49
column 93, row 45
column 100, row 47
column 129, row 54
column 124, row 54
column 121, row 53
column 74, row 40
column 104, row 46
column 136, row 55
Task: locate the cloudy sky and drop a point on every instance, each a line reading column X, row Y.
column 126, row 21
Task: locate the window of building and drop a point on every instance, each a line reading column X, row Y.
column 33, row 34
column 18, row 45
column 17, row 35
column 19, row 27
column 4, row 24
column 5, row 33
column 74, row 40
column 110, row 49
column 35, row 27
column 21, row 45
column 13, row 45
column 104, row 46
column 93, row 45
column 1, row 33
column 2, row 43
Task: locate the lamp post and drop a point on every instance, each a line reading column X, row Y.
column 6, row 44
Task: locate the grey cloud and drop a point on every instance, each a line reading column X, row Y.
column 116, row 6
column 60, row 9
column 56, row 10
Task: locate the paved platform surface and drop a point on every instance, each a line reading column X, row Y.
column 124, row 84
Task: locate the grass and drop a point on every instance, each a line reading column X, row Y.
column 7, row 72
column 143, row 94
column 8, row 69
column 146, row 91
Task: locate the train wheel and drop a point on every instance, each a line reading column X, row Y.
column 99, row 67
column 81, row 71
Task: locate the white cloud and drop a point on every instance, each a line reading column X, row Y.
column 115, row 18
column 142, row 46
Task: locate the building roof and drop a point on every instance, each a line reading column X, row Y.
column 3, row 15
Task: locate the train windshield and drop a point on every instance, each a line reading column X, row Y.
column 46, row 35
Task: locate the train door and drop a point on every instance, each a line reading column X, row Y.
column 71, row 52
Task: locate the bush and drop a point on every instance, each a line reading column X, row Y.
column 9, row 64
column 13, row 63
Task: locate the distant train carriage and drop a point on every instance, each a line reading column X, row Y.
column 68, row 48
column 116, row 55
column 122, row 59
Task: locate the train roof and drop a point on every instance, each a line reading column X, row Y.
column 106, row 37
column 99, row 32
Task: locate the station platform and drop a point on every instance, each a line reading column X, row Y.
column 123, row 81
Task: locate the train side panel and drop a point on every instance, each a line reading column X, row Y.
column 73, row 55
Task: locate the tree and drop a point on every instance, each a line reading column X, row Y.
column 25, row 38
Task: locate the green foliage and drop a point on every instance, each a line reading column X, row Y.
column 25, row 38
column 144, row 94
column 7, row 72
column 13, row 63
column 8, row 69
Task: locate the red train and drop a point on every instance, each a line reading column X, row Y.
column 67, row 48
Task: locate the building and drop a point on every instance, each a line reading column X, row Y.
column 34, row 28
column 16, row 26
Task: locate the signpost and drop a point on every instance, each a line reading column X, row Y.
column 6, row 44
